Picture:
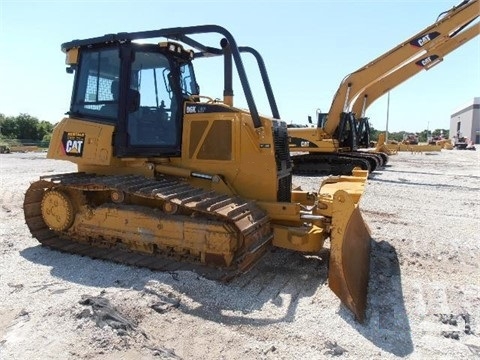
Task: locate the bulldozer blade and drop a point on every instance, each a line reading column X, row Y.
column 349, row 264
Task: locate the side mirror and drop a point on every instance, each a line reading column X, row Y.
column 70, row 69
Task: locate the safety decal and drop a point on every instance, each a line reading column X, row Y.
column 73, row 143
column 299, row 142
column 424, row 39
column 427, row 61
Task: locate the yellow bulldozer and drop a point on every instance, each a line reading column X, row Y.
column 171, row 179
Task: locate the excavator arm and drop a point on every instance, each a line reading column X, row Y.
column 426, row 40
column 424, row 62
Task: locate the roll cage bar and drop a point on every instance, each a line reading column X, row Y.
column 228, row 48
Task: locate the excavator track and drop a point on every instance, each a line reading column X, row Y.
column 314, row 164
column 383, row 156
column 375, row 159
column 83, row 197
column 336, row 163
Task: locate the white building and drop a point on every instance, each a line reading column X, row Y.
column 465, row 121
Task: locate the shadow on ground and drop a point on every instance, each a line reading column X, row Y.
column 387, row 325
column 280, row 279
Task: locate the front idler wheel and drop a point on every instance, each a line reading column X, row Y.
column 57, row 210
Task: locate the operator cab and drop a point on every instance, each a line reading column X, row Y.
column 139, row 88
column 321, row 118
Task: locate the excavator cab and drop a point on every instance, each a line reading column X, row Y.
column 321, row 118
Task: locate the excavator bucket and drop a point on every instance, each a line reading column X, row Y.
column 350, row 246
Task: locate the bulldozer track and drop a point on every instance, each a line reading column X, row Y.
column 249, row 221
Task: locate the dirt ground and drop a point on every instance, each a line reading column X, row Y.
column 423, row 303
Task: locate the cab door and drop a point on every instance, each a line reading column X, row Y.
column 151, row 117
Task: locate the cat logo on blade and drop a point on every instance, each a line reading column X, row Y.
column 73, row 143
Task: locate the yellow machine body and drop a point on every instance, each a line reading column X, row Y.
column 211, row 196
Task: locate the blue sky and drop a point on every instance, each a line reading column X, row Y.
column 308, row 48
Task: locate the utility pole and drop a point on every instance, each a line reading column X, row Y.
column 388, row 113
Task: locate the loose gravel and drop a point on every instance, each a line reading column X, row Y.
column 423, row 303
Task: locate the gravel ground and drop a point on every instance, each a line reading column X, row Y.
column 423, row 303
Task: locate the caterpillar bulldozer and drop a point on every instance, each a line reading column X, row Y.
column 333, row 146
column 170, row 179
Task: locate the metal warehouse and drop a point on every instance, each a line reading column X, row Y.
column 465, row 122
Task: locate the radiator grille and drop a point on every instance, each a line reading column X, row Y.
column 283, row 161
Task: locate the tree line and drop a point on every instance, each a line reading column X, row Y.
column 423, row 136
column 26, row 128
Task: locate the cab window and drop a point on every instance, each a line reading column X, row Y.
column 188, row 83
column 96, row 93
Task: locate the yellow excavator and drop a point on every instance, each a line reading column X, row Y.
column 170, row 179
column 332, row 146
column 426, row 61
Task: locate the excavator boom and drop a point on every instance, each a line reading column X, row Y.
column 425, row 62
column 429, row 38
column 332, row 146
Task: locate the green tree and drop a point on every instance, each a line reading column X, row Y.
column 9, row 127
column 27, row 127
column 374, row 133
column 44, row 128
column 443, row 132
column 397, row 136
column 425, row 134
